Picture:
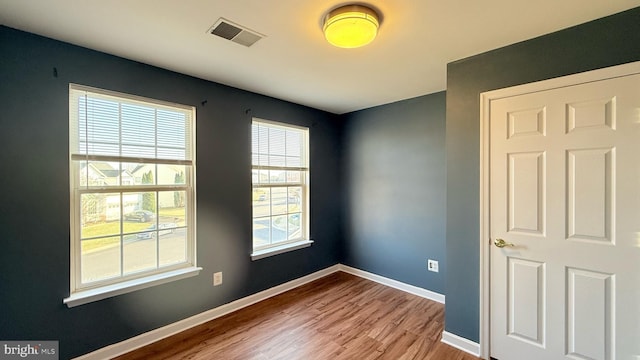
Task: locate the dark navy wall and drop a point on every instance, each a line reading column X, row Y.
column 395, row 176
column 605, row 42
column 34, row 195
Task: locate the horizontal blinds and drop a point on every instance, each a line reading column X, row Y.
column 106, row 126
column 278, row 147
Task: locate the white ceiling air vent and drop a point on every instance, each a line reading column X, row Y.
column 234, row 32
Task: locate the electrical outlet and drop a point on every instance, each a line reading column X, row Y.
column 432, row 265
column 217, row 278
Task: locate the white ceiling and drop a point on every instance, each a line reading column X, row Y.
column 416, row 40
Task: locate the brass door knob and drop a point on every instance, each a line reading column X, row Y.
column 501, row 243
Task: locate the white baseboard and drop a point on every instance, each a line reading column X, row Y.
column 431, row 295
column 152, row 336
column 461, row 343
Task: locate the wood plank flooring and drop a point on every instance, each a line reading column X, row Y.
column 340, row 316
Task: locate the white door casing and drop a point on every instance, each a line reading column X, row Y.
column 561, row 180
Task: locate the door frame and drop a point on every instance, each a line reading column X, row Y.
column 485, row 215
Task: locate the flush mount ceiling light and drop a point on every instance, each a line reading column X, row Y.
column 351, row 26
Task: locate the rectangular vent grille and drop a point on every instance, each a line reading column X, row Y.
column 234, row 32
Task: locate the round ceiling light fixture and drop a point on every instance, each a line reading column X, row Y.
column 351, row 26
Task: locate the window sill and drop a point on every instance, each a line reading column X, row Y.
column 91, row 295
column 260, row 254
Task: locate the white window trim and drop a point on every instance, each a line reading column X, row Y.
column 103, row 292
column 275, row 250
column 305, row 241
column 112, row 287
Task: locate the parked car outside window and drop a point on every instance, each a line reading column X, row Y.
column 140, row 215
column 167, row 228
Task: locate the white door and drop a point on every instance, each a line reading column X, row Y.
column 565, row 191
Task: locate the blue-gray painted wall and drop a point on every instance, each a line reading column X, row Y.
column 34, row 195
column 395, row 177
column 604, row 42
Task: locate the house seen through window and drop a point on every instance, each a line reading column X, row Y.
column 132, row 187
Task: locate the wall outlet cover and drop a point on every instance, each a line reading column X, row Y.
column 432, row 265
column 217, row 278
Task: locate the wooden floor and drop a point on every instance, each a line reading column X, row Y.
column 340, row 316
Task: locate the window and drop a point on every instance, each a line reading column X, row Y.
column 280, row 179
column 132, row 193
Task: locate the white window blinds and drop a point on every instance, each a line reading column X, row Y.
column 109, row 126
